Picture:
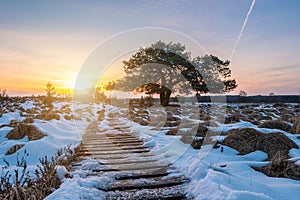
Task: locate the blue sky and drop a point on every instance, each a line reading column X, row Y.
column 49, row 40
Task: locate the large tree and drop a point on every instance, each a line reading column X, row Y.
column 164, row 68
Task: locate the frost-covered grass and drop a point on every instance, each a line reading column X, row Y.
column 222, row 173
column 35, row 162
column 59, row 133
column 215, row 173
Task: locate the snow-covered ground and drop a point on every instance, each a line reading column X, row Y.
column 215, row 173
column 59, row 133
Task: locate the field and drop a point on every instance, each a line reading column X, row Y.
column 227, row 151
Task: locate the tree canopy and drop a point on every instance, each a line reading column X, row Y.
column 164, row 68
column 243, row 93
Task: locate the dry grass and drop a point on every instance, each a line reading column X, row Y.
column 281, row 168
column 246, row 111
column 24, row 186
column 172, row 119
column 201, row 131
column 29, row 120
column 172, row 131
column 256, row 117
column 172, row 123
column 204, row 117
column 233, row 118
column 21, row 130
column 1, row 112
column 197, row 143
column 287, row 118
column 48, row 115
column 67, row 117
column 264, row 118
column 276, row 145
column 174, row 110
column 139, row 115
column 100, row 115
column 14, row 148
column 247, row 140
column 244, row 140
column 275, row 124
column 253, row 115
column 296, row 126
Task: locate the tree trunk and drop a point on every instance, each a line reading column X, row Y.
column 165, row 96
column 198, row 96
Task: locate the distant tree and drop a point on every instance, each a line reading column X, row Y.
column 110, row 86
column 170, row 68
column 271, row 94
column 242, row 93
column 4, row 93
column 50, row 90
column 50, row 94
column 3, row 97
column 100, row 97
column 64, row 94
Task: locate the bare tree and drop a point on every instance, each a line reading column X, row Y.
column 242, row 93
column 271, row 94
column 3, row 97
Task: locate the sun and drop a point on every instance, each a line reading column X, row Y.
column 67, row 84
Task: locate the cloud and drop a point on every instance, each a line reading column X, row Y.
column 288, row 67
column 242, row 29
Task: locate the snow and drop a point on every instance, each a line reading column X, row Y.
column 224, row 175
column 226, row 127
column 7, row 117
column 221, row 175
column 83, row 184
column 59, row 134
column 214, row 174
column 79, row 188
column 27, row 105
column 61, row 172
column 90, row 164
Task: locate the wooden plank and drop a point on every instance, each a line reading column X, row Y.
column 112, row 145
column 117, row 152
column 113, row 148
column 166, row 193
column 150, row 183
column 120, row 142
column 138, row 173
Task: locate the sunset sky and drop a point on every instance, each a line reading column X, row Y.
column 43, row 41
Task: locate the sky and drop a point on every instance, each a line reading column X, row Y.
column 49, row 41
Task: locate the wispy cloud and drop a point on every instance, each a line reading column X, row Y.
column 288, row 67
column 242, row 30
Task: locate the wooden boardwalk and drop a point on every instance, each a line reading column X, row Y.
column 139, row 174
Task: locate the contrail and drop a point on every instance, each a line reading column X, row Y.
column 242, row 29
